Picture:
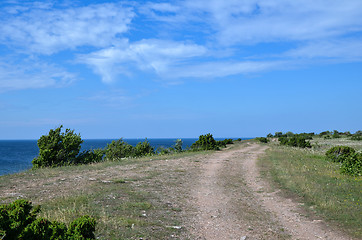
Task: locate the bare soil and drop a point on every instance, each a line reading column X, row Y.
column 216, row 196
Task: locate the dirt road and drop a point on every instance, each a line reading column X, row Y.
column 231, row 201
column 213, row 196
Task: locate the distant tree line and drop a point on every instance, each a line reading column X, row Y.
column 326, row 134
column 350, row 161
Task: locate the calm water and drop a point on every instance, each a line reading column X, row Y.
column 16, row 155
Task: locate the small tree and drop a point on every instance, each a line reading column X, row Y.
column 143, row 149
column 118, row 149
column 57, row 148
column 205, row 142
column 178, row 145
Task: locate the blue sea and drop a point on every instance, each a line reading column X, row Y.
column 16, row 155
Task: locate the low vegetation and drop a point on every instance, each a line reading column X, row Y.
column 18, row 220
column 60, row 151
column 262, row 139
column 325, row 176
column 207, row 142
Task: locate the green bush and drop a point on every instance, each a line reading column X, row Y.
column 143, row 149
column 163, row 151
column 90, row 156
column 118, row 149
column 339, row 153
column 224, row 142
column 43, row 229
column 356, row 137
column 82, row 228
column 15, row 217
column 262, row 139
column 295, row 141
column 178, row 145
column 205, row 142
column 18, row 221
column 278, row 134
column 352, row 164
column 57, row 148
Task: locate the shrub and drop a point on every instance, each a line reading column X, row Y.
column 325, row 133
column 118, row 149
column 143, row 149
column 15, row 216
column 262, row 139
column 90, row 156
column 178, row 145
column 296, row 141
column 352, row 164
column 57, row 148
column 82, row 228
column 339, row 153
column 356, row 137
column 18, row 221
column 224, row 142
column 205, row 142
column 278, row 134
column 283, row 140
column 43, row 229
column 163, row 151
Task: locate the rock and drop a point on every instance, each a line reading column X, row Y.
column 174, row 227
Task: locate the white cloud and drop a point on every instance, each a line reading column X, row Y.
column 149, row 55
column 32, row 75
column 222, row 69
column 46, row 31
column 341, row 49
column 190, row 38
column 255, row 21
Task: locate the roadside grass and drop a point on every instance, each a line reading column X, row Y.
column 318, row 182
column 128, row 198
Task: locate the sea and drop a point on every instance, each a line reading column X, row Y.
column 16, row 155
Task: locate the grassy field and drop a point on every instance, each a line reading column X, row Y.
column 131, row 205
column 306, row 175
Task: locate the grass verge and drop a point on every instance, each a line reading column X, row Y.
column 319, row 184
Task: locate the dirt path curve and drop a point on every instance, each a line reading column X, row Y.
column 232, row 202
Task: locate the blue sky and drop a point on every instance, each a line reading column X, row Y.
column 159, row 69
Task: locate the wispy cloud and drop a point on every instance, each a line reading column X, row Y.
column 185, row 39
column 31, row 75
column 255, row 21
column 223, row 69
column 338, row 49
column 149, row 55
column 115, row 98
column 46, row 30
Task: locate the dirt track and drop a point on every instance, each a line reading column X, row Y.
column 233, row 202
column 218, row 195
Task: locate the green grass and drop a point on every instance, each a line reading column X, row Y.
column 319, row 183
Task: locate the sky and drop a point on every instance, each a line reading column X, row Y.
column 179, row 69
